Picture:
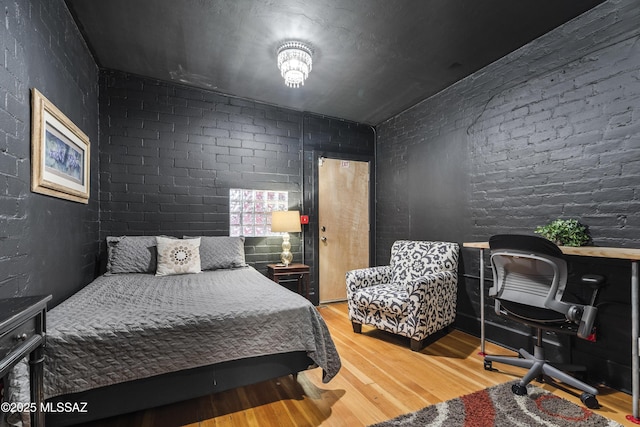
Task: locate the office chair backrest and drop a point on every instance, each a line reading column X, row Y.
column 529, row 270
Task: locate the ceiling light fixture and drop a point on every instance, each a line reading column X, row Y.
column 294, row 62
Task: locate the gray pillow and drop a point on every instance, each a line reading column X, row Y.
column 218, row 252
column 131, row 254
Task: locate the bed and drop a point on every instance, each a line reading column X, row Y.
column 134, row 340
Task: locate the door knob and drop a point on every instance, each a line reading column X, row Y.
column 323, row 228
column 323, row 238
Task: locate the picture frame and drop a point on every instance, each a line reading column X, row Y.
column 60, row 153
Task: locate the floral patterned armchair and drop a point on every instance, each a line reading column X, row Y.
column 414, row 296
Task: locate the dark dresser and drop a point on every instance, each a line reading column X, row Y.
column 22, row 333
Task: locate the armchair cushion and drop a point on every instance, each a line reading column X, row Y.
column 389, row 299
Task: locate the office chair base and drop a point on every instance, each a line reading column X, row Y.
column 520, row 390
column 537, row 368
column 589, row 400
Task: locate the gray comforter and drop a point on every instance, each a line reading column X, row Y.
column 129, row 326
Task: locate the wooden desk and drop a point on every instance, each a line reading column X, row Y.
column 22, row 333
column 276, row 272
column 630, row 254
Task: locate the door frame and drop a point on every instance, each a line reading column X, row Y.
column 317, row 154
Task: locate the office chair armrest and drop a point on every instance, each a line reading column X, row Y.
column 595, row 281
column 585, row 327
column 586, row 321
column 365, row 277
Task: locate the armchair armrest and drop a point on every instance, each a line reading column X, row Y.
column 432, row 281
column 432, row 303
column 365, row 277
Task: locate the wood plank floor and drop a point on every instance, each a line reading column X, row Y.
column 380, row 379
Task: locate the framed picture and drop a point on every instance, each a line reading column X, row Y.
column 59, row 153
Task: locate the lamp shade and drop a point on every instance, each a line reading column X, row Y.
column 285, row 221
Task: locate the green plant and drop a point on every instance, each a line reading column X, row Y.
column 565, row 232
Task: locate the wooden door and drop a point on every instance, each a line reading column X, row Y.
column 343, row 221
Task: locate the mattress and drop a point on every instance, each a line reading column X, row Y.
column 129, row 326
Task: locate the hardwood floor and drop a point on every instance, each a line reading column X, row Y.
column 380, row 379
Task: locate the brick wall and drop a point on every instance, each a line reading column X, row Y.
column 48, row 244
column 548, row 131
column 169, row 155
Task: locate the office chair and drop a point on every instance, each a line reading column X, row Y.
column 529, row 279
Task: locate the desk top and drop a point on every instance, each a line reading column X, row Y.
column 592, row 251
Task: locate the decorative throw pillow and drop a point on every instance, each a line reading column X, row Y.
column 131, row 254
column 178, row 256
column 218, row 252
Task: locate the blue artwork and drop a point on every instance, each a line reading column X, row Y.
column 62, row 158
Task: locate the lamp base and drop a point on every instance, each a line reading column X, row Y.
column 286, row 256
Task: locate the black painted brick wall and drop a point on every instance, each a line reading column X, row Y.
column 170, row 153
column 48, row 245
column 551, row 130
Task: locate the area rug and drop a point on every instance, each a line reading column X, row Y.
column 498, row 406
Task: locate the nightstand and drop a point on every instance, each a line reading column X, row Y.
column 22, row 333
column 299, row 272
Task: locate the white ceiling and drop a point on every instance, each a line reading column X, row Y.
column 372, row 58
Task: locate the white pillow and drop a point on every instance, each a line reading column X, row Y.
column 178, row 256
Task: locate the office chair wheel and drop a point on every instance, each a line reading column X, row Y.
column 488, row 366
column 589, row 400
column 520, row 390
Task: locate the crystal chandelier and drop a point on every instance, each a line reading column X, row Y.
column 294, row 62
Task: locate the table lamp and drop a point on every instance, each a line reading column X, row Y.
column 286, row 222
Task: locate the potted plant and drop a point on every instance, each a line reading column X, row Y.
column 565, row 232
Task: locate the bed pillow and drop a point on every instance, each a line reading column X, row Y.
column 178, row 256
column 131, row 254
column 217, row 252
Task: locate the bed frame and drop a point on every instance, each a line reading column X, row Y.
column 174, row 387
